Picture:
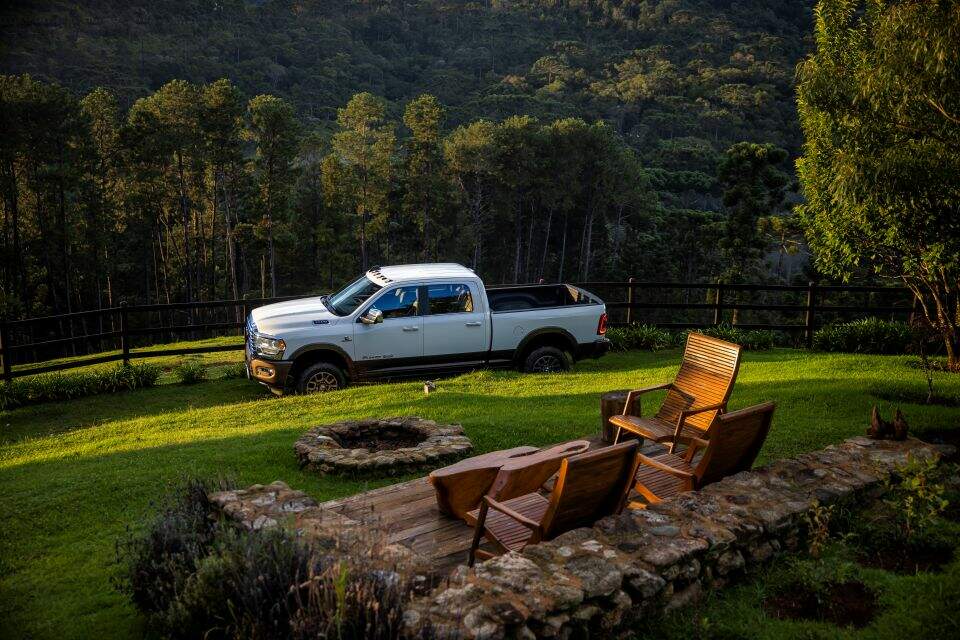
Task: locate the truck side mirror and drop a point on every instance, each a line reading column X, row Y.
column 372, row 316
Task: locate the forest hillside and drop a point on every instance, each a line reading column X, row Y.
column 675, row 84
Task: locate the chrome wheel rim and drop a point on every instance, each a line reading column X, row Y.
column 547, row 364
column 322, row 381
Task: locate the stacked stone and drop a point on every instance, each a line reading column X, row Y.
column 320, row 448
column 605, row 579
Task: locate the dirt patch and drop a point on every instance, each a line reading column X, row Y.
column 844, row 604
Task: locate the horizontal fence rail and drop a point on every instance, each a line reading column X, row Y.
column 85, row 336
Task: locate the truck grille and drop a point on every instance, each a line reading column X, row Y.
column 251, row 331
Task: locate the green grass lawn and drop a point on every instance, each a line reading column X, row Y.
column 166, row 363
column 75, row 475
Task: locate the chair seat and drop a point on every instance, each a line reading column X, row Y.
column 504, row 529
column 661, row 484
column 652, row 428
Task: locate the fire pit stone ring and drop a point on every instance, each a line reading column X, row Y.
column 382, row 446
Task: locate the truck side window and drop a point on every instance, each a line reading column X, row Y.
column 449, row 298
column 399, row 303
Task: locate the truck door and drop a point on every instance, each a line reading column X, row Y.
column 456, row 329
column 397, row 342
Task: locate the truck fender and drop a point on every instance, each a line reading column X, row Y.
column 558, row 335
column 329, row 348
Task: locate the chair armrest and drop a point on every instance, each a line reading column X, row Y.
column 650, row 462
column 507, row 511
column 632, row 395
column 693, row 444
column 720, row 406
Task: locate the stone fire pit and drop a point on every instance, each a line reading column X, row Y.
column 382, row 446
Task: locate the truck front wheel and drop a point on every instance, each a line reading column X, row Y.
column 321, row 377
column 547, row 360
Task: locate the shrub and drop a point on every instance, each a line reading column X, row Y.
column 233, row 371
column 157, row 565
column 194, row 576
column 67, row 386
column 639, row 336
column 190, row 372
column 749, row 339
column 916, row 497
column 869, row 335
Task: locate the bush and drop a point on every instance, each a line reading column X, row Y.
column 639, row 336
column 193, row 576
column 870, row 335
column 190, row 372
column 67, row 386
column 158, row 564
column 749, row 339
column 234, row 371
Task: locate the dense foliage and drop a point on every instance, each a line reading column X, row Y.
column 879, row 103
column 527, row 139
column 639, row 336
column 870, row 335
column 194, row 576
column 652, row 338
column 67, row 386
column 749, row 339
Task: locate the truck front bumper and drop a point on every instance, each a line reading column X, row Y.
column 593, row 349
column 271, row 373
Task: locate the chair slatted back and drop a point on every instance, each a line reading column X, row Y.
column 591, row 486
column 706, row 377
column 527, row 474
column 735, row 440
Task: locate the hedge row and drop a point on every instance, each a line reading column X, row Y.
column 648, row 337
column 67, row 386
column 870, row 335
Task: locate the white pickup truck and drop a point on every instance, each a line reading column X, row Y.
column 420, row 320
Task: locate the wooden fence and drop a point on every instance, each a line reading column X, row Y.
column 796, row 309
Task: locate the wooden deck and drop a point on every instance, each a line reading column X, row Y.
column 407, row 512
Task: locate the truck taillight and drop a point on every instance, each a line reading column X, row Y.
column 602, row 325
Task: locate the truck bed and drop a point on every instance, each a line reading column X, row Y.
column 541, row 296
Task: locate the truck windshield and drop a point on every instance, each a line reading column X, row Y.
column 346, row 301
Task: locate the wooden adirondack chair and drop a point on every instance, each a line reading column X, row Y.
column 734, row 441
column 590, row 486
column 697, row 395
column 461, row 486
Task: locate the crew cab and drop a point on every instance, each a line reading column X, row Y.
column 420, row 320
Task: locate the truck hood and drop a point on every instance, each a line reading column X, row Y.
column 273, row 319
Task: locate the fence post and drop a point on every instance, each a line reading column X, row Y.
column 5, row 346
column 630, row 282
column 809, row 320
column 718, row 304
column 124, row 337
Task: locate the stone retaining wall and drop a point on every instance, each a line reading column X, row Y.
column 598, row 581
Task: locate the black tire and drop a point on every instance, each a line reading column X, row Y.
column 547, row 360
column 320, row 378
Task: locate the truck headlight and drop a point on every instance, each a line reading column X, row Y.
column 268, row 346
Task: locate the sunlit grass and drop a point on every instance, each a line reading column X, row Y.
column 75, row 474
column 166, row 363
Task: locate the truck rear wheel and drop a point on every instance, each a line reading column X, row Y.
column 547, row 360
column 320, row 378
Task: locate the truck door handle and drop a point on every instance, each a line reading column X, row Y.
column 474, row 324
column 411, row 328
